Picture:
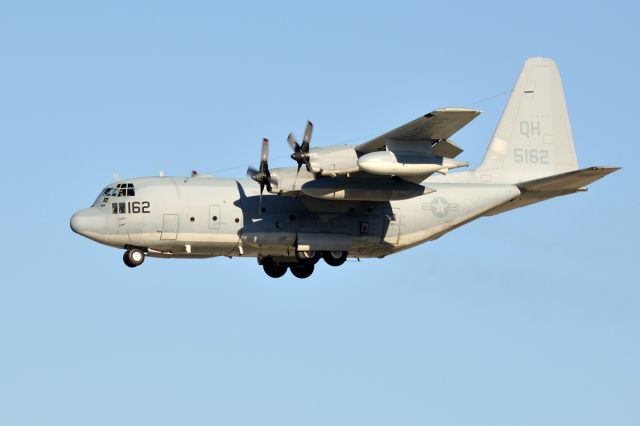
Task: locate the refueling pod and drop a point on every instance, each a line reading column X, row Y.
column 390, row 163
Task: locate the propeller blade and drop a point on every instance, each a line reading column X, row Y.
column 251, row 171
column 293, row 143
column 262, row 175
column 308, row 131
column 295, row 180
column 260, row 199
column 265, row 150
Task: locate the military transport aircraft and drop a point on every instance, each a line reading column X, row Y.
column 371, row 200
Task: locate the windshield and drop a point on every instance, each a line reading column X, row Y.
column 120, row 190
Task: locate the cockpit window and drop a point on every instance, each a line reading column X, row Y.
column 121, row 190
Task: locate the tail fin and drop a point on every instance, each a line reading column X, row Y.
column 533, row 138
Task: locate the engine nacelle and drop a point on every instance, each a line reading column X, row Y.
column 333, row 160
column 288, row 179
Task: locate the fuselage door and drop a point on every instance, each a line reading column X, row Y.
column 170, row 227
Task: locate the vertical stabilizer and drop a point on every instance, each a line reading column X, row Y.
column 533, row 138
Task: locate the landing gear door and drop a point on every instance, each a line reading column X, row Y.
column 391, row 225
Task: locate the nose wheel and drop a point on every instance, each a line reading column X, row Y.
column 133, row 257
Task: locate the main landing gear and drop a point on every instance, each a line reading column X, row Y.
column 274, row 270
column 305, row 264
column 133, row 257
column 334, row 258
column 302, row 271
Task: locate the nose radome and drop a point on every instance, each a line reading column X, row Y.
column 87, row 221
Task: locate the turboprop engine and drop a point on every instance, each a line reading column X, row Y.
column 325, row 161
column 333, row 160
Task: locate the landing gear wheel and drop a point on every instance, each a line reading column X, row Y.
column 334, row 258
column 308, row 257
column 274, row 270
column 302, row 271
column 133, row 257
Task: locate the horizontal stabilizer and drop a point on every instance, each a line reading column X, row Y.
column 534, row 191
column 570, row 181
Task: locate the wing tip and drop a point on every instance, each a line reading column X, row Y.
column 455, row 110
column 605, row 169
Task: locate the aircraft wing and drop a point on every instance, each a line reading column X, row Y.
column 389, row 167
column 438, row 125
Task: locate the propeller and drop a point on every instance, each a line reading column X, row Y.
column 301, row 152
column 262, row 175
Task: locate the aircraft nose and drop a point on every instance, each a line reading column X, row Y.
column 88, row 222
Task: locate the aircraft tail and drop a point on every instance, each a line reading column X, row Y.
column 533, row 139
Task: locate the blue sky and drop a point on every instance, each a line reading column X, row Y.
column 528, row 318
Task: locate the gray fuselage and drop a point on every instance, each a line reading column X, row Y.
column 206, row 217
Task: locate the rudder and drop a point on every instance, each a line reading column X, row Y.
column 533, row 138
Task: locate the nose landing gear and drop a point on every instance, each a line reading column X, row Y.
column 133, row 257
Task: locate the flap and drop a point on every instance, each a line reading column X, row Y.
column 446, row 148
column 439, row 124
